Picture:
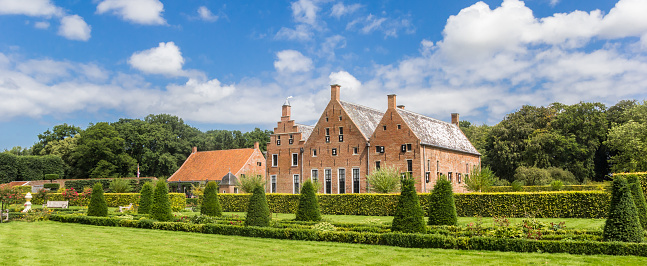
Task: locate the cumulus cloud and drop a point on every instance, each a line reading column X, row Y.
column 34, row 8
column 43, row 25
column 206, row 15
column 74, row 28
column 146, row 12
column 165, row 59
column 299, row 33
column 290, row 61
column 305, row 11
column 340, row 9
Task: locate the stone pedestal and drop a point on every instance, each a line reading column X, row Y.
column 28, row 203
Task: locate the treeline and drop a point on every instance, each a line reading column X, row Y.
column 159, row 144
column 588, row 140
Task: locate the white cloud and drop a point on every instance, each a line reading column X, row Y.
column 34, row 8
column 305, row 11
column 206, row 15
column 147, row 12
column 388, row 26
column 330, row 44
column 553, row 3
column 300, row 33
column 43, row 25
column 292, row 61
column 166, row 59
column 74, row 28
column 340, row 9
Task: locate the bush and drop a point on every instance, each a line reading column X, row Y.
column 120, row 185
column 622, row 223
column 52, row 186
column 97, row 206
column 210, row 204
column 308, row 208
column 146, row 198
column 385, row 180
column 409, row 217
column 442, row 210
column 639, row 200
column 247, row 183
column 556, row 185
column 517, row 185
column 258, row 212
column 563, row 175
column 532, row 176
column 51, row 177
column 161, row 209
column 480, row 180
column 78, row 185
column 589, row 187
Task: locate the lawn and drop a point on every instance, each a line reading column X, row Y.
column 55, row 243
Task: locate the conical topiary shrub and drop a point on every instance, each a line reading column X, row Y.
column 97, row 206
column 308, row 209
column 622, row 222
column 258, row 212
column 442, row 210
column 161, row 209
column 146, row 198
column 639, row 200
column 210, row 204
column 409, row 217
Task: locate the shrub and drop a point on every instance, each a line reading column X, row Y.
column 258, row 212
column 516, row 185
column 622, row 223
column 532, row 176
column 52, row 186
column 210, row 204
column 442, row 210
column 385, row 180
column 409, row 217
column 161, row 209
column 146, row 198
column 97, row 206
column 51, row 177
column 556, row 185
column 639, row 200
column 248, row 182
column 308, row 208
column 480, row 179
column 120, row 185
column 560, row 174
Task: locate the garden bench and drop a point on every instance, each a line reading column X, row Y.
column 56, row 204
column 126, row 208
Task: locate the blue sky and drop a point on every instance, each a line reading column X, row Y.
column 231, row 64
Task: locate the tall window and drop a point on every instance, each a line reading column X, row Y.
column 327, row 135
column 295, row 159
column 377, row 165
column 328, row 179
column 355, row 180
column 341, row 134
column 315, row 176
column 296, row 184
column 314, row 153
column 458, row 177
column 449, row 177
column 273, row 180
column 275, row 160
column 410, row 167
column 355, row 150
column 342, row 181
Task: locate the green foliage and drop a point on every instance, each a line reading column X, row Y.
column 210, row 204
column 51, row 177
column 58, row 133
column 78, row 185
column 97, row 206
column 258, row 212
column 563, row 175
column 27, row 168
column 622, row 223
column 517, row 185
column 120, row 185
column 480, row 180
column 52, row 186
column 442, row 209
column 532, row 176
column 409, row 216
column 161, row 209
column 146, row 199
column 556, row 185
column 639, row 200
column 308, row 209
column 629, row 143
column 589, row 187
column 385, row 180
column 247, row 183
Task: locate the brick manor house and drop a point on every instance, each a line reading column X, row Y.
column 350, row 141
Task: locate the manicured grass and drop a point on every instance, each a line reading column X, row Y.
column 54, row 243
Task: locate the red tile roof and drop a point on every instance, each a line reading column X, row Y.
column 211, row 165
column 14, row 183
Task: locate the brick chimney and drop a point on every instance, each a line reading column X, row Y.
column 392, row 104
column 256, row 145
column 334, row 92
column 285, row 111
column 455, row 119
column 194, row 150
column 401, row 106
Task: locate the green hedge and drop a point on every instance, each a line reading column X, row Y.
column 603, row 187
column 390, row 239
column 178, row 200
column 571, row 204
column 28, row 168
column 642, row 179
column 78, row 185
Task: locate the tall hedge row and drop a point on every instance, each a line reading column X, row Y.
column 27, row 168
column 178, row 200
column 78, row 185
column 550, row 188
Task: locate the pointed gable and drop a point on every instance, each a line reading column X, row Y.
column 437, row 133
column 211, row 165
column 304, row 130
column 366, row 119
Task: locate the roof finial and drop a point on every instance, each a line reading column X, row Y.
column 287, row 101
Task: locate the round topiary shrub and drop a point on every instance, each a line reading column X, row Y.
column 442, row 210
column 409, row 217
column 622, row 222
column 308, row 208
column 146, row 198
column 258, row 212
column 210, row 204
column 97, row 206
column 639, row 199
column 161, row 209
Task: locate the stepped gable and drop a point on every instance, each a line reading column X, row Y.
column 365, row 118
column 305, row 131
column 437, row 133
column 211, row 165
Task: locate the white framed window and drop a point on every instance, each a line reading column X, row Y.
column 334, row 151
column 273, row 183
column 328, row 181
column 314, row 152
column 295, row 184
column 341, row 181
column 356, row 184
column 295, row 159
column 355, row 150
column 314, row 176
column 275, row 160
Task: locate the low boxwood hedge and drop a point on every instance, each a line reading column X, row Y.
column 178, row 200
column 603, row 187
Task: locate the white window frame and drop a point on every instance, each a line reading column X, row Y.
column 355, row 150
column 295, row 182
column 275, row 160
column 339, row 180
column 295, row 162
column 327, row 171
column 314, row 152
column 359, row 189
column 273, row 184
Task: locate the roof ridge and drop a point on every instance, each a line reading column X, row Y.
column 428, row 117
column 299, row 124
column 370, row 108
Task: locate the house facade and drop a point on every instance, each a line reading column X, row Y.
column 349, row 141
